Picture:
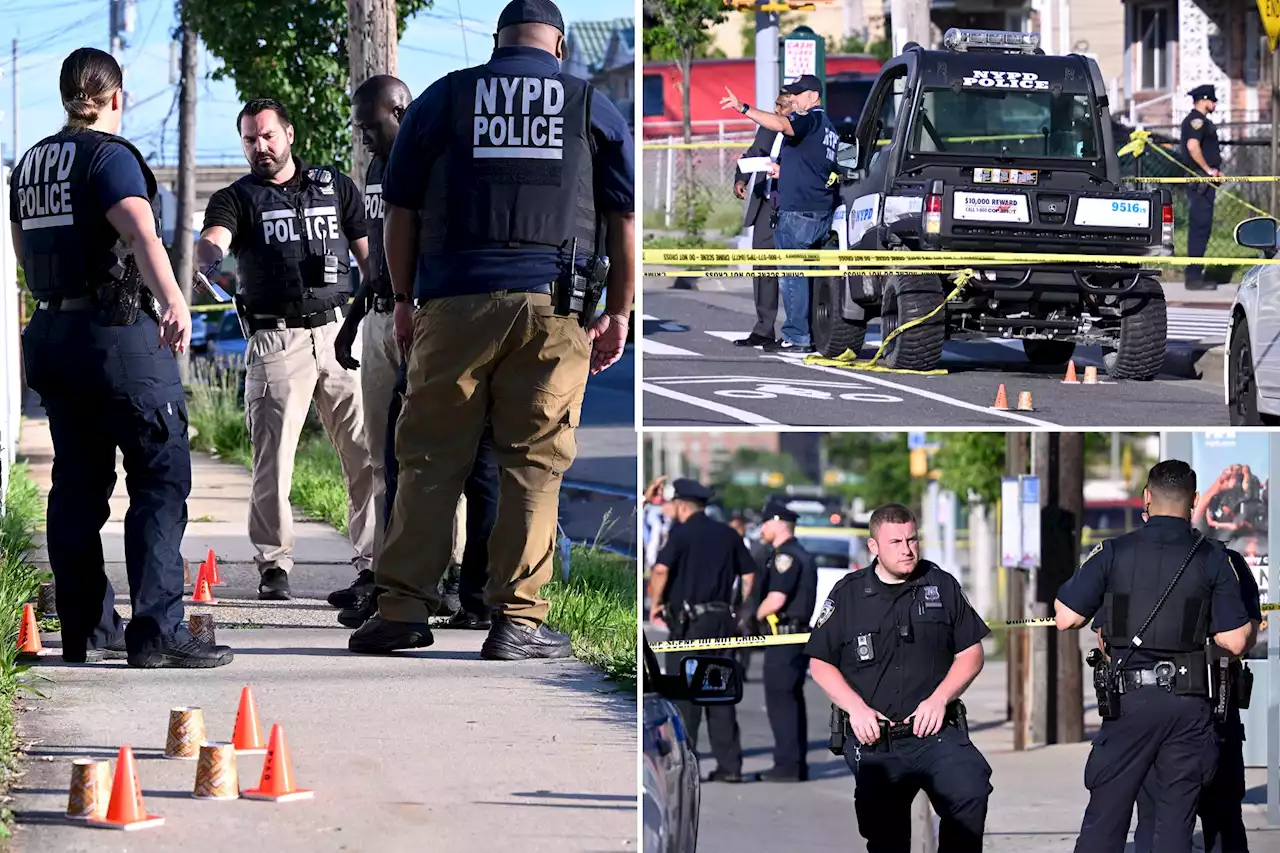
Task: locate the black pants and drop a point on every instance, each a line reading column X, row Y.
column 481, row 490
column 103, row 388
column 1200, row 198
column 784, row 671
column 1158, row 732
column 947, row 767
column 722, row 720
column 766, row 287
column 1219, row 807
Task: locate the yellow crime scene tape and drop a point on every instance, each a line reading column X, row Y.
column 888, row 259
column 1140, row 141
column 799, row 639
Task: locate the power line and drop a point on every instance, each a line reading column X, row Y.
column 416, row 49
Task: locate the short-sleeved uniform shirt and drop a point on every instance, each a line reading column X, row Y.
column 806, row 162
column 1163, row 537
column 1198, row 126
column 792, row 572
column 704, row 557
column 227, row 208
column 910, row 634
column 424, row 136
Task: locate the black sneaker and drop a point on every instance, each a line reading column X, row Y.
column 382, row 636
column 350, row 597
column 787, row 346
column 112, row 651
column 754, row 340
column 450, row 601
column 364, row 610
column 777, row 774
column 470, row 621
column 719, row 775
column 274, row 585
column 183, row 651
column 510, row 640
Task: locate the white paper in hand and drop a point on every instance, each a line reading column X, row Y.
column 747, row 165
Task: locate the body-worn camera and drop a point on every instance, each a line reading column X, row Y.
column 579, row 292
column 1104, row 685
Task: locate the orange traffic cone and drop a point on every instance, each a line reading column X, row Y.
column 1002, row 401
column 211, row 561
column 29, row 644
column 203, row 595
column 277, row 774
column 247, row 737
column 1024, row 402
column 126, row 811
column 1071, row 374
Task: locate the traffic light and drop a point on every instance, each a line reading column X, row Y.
column 920, row 463
column 775, row 5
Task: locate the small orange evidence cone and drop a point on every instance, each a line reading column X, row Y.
column 215, row 577
column 1071, row 374
column 29, row 644
column 203, row 595
column 277, row 774
column 1024, row 402
column 247, row 737
column 1002, row 401
column 126, row 810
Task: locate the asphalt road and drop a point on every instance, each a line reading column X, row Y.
column 694, row 376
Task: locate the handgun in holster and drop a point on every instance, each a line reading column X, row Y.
column 579, row 292
column 1104, row 685
column 119, row 299
column 839, row 730
column 679, row 620
column 1242, row 684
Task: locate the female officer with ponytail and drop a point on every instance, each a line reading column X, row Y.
column 100, row 352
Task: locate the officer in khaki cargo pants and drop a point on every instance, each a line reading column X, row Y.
column 499, row 171
column 292, row 228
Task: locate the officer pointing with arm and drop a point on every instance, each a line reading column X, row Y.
column 502, row 185
column 1165, row 589
column 99, row 354
column 292, row 228
column 895, row 646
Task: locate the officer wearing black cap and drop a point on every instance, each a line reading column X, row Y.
column 787, row 596
column 808, row 193
column 691, row 585
column 1165, row 590
column 99, row 352
column 1200, row 145
column 894, row 647
column 509, row 199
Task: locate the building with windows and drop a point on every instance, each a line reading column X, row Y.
column 604, row 53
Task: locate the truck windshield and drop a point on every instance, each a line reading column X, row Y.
column 1005, row 124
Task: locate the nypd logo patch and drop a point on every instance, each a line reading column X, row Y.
column 828, row 607
column 1197, row 123
column 783, row 562
column 1093, row 553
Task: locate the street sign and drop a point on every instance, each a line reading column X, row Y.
column 1030, row 522
column 916, row 441
column 1270, row 12
column 804, row 52
column 1010, row 523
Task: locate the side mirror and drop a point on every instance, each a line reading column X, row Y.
column 847, row 155
column 711, row 680
column 1257, row 233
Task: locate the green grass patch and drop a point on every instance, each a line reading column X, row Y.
column 19, row 583
column 597, row 607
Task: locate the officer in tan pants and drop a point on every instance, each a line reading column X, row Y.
column 497, row 172
column 292, row 229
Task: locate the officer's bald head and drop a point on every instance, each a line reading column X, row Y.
column 542, row 36
column 378, row 105
column 1171, row 489
column 383, row 90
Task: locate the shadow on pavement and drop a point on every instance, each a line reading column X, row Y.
column 346, row 653
column 63, row 751
column 557, row 805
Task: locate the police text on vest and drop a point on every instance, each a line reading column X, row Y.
column 281, row 226
column 44, row 193
column 373, row 201
column 519, row 118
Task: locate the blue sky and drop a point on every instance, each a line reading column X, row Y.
column 435, row 42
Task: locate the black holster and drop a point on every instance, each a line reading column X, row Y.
column 839, row 729
column 1104, row 685
column 119, row 300
column 1242, row 684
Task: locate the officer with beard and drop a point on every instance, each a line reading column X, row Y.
column 292, row 228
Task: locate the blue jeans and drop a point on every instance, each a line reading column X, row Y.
column 799, row 230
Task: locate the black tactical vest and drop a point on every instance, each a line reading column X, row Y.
column 68, row 246
column 281, row 259
column 1136, row 583
column 517, row 172
column 380, row 281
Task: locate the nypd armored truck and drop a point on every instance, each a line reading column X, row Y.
column 990, row 145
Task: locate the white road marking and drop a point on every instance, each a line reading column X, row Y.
column 649, row 346
column 711, row 406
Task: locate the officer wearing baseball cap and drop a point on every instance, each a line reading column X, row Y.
column 692, row 589
column 788, row 593
column 807, row 193
column 1200, row 145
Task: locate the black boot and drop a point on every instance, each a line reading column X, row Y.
column 350, row 597
column 364, row 610
column 510, row 640
column 274, row 585
column 182, row 651
column 382, row 636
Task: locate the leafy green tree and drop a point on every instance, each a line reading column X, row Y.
column 881, row 49
column 270, row 50
column 882, row 461
column 971, row 462
column 787, row 21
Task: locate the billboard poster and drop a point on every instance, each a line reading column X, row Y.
column 1232, row 475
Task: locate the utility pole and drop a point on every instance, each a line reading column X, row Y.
column 14, row 68
column 767, row 78
column 1015, row 594
column 371, row 47
column 121, row 24
column 910, row 23
column 1070, row 721
column 184, row 247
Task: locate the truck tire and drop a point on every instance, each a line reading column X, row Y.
column 833, row 335
column 1048, row 353
column 1140, row 352
column 908, row 298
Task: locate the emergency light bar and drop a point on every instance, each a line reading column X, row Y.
column 961, row 40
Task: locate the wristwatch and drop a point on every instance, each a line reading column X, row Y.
column 401, row 297
column 745, row 108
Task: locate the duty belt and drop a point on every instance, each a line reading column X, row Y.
column 697, row 610
column 1162, row 674
column 542, row 290
column 792, row 628
column 905, row 730
column 268, row 322
column 78, row 303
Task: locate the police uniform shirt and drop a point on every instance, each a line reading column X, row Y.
column 806, row 162
column 1250, row 595
column 41, row 196
column 704, row 557
column 792, row 572
column 381, row 277
column 425, row 135
column 1162, row 538
column 1198, row 126
column 912, row 631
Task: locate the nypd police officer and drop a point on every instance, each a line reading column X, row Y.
column 1165, row 589
column 787, row 598
column 1219, row 807
column 691, row 587
column 894, row 647
column 292, row 229
column 100, row 354
column 505, row 185
column 1200, row 145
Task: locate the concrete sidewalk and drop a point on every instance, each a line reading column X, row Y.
column 433, row 748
